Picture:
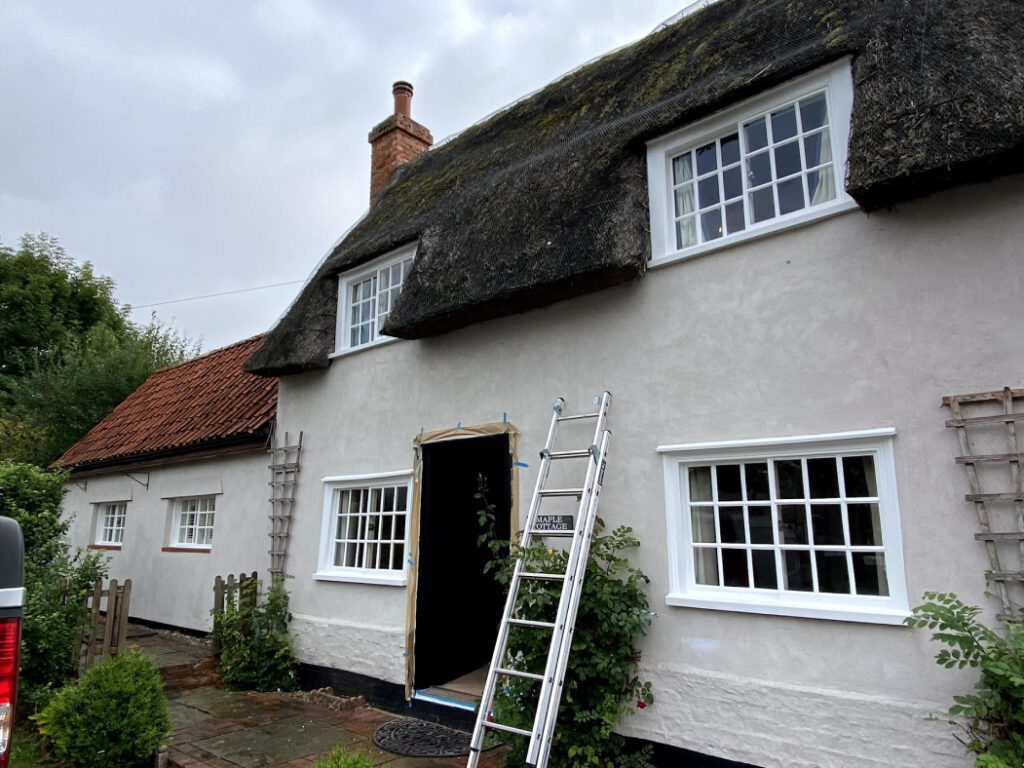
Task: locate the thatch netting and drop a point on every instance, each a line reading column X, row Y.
column 548, row 199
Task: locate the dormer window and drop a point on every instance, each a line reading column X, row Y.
column 771, row 162
column 366, row 296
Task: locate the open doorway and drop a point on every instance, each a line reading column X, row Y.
column 458, row 606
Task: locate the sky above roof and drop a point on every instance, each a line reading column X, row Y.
column 189, row 148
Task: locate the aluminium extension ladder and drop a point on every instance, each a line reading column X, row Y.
column 571, row 583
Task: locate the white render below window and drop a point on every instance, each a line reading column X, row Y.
column 795, row 526
column 364, row 532
column 768, row 163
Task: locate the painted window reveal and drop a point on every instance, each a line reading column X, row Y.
column 774, row 161
column 193, row 521
column 787, row 527
column 367, row 296
column 110, row 518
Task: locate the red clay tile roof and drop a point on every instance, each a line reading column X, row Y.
column 199, row 405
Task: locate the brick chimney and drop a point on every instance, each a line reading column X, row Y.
column 397, row 140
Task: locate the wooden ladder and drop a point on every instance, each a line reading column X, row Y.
column 1003, row 507
column 284, row 470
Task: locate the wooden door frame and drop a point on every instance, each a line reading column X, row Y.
column 443, row 435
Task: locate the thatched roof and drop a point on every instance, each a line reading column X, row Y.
column 548, row 199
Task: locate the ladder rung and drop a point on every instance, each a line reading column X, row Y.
column 508, row 728
column 1004, row 575
column 986, row 419
column 994, row 497
column 543, row 576
column 993, row 457
column 580, row 454
column 548, row 533
column 560, row 492
column 579, row 416
column 1012, row 536
column 518, row 673
column 532, row 623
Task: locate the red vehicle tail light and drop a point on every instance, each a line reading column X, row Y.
column 10, row 631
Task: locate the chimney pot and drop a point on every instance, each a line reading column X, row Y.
column 402, row 92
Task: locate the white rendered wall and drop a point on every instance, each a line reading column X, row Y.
column 176, row 587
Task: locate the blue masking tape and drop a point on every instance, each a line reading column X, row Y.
column 520, row 464
column 504, row 418
column 458, row 426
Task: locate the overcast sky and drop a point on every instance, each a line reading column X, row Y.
column 189, row 147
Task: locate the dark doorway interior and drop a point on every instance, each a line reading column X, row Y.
column 458, row 606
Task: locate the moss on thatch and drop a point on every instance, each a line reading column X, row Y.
column 548, row 199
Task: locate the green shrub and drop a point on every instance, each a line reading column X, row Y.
column 115, row 716
column 56, row 580
column 255, row 649
column 342, row 758
column 601, row 681
column 991, row 720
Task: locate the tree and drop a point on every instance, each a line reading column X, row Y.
column 47, row 300
column 68, row 353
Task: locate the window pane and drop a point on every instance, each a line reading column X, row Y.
column 761, row 525
column 385, row 527
column 684, row 200
column 383, row 280
column 827, row 522
column 403, row 492
column 798, row 571
column 865, row 525
column 682, row 168
column 396, row 556
column 821, row 473
column 699, row 479
column 791, row 195
column 400, row 527
column 756, row 134
column 730, row 521
column 389, row 500
column 859, row 475
column 731, row 149
column 812, row 112
column 757, row 481
column 686, row 232
column 792, row 524
column 732, row 181
column 820, row 186
column 784, row 123
column 765, row 576
column 759, row 170
column 707, row 191
column 734, row 568
column 711, row 224
column 735, row 218
column 703, row 521
column 817, row 149
column 833, row 575
column 789, row 479
column 762, row 204
column 705, row 566
column 707, row 160
column 729, row 488
column 787, row 160
column 869, row 573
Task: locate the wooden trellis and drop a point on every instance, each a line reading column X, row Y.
column 991, row 455
column 284, row 470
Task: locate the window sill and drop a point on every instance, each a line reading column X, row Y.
column 867, row 614
column 808, row 216
column 202, row 550
column 104, row 546
column 382, row 341
column 362, row 578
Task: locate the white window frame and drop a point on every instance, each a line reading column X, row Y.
column 373, row 271
column 835, row 80
column 333, row 487
column 200, row 525
column 685, row 592
column 114, row 512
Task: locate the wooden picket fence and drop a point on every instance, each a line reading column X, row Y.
column 241, row 592
column 107, row 624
